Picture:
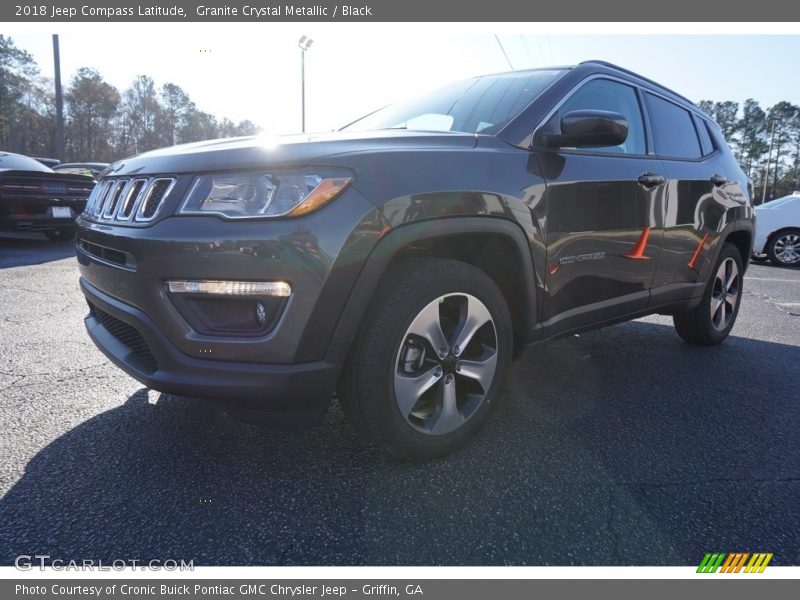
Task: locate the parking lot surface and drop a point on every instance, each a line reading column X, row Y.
column 619, row 446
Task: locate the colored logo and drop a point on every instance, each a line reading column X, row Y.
column 734, row 562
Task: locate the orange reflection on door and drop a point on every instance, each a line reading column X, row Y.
column 638, row 250
column 696, row 254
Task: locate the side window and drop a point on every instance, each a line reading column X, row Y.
column 673, row 131
column 705, row 139
column 603, row 94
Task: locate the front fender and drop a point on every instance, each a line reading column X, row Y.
column 394, row 241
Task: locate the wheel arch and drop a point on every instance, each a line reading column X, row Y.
column 482, row 241
column 775, row 233
column 742, row 238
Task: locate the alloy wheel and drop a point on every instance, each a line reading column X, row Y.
column 725, row 294
column 445, row 364
column 787, row 248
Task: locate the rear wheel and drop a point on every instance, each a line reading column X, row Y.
column 430, row 360
column 712, row 320
column 61, row 234
column 783, row 248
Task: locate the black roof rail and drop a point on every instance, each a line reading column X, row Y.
column 642, row 77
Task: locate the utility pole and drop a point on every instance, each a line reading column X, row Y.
column 59, row 100
column 304, row 44
column 769, row 159
column 503, row 50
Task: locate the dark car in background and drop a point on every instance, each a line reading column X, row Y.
column 404, row 261
column 35, row 198
column 47, row 162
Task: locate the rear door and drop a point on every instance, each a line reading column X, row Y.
column 603, row 223
column 698, row 194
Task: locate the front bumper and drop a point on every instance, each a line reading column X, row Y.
column 283, row 395
column 286, row 375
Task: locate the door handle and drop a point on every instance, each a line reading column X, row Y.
column 718, row 180
column 651, row 180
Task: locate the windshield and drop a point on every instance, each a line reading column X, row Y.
column 76, row 171
column 479, row 105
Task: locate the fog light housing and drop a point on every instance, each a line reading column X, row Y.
column 229, row 308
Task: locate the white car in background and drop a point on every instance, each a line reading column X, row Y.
column 778, row 230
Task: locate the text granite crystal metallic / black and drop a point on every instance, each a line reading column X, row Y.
column 400, row 263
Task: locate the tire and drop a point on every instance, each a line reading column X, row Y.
column 783, row 248
column 62, row 234
column 403, row 393
column 703, row 326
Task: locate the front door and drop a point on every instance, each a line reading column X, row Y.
column 604, row 217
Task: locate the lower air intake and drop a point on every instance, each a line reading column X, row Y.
column 127, row 335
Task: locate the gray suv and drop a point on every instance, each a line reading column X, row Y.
column 402, row 262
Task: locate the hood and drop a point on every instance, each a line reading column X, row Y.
column 281, row 151
column 779, row 204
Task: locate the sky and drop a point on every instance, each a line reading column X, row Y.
column 252, row 71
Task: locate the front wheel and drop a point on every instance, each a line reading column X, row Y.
column 783, row 248
column 710, row 322
column 430, row 360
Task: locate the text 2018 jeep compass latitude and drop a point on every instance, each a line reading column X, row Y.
column 403, row 261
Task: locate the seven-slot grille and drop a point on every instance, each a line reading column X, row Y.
column 129, row 199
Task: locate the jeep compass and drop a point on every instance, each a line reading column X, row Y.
column 401, row 263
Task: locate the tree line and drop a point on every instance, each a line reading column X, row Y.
column 101, row 124
column 766, row 142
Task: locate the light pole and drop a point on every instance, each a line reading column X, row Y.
column 304, row 44
column 59, row 100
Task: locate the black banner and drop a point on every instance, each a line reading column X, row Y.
column 363, row 589
column 398, row 11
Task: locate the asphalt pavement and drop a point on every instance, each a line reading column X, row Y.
column 619, row 446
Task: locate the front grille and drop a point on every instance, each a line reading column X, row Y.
column 114, row 195
column 129, row 199
column 127, row 335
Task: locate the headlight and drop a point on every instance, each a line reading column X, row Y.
column 243, row 195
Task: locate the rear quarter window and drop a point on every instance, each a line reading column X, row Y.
column 674, row 133
column 705, row 137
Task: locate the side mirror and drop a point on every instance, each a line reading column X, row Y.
column 587, row 129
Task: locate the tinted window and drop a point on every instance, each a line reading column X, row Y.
column 673, row 130
column 603, row 94
column 21, row 163
column 479, row 105
column 705, row 137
